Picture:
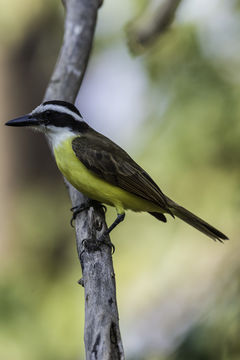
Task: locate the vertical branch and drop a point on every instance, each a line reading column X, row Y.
column 102, row 335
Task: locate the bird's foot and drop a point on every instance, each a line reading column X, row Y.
column 85, row 206
column 102, row 239
column 95, row 245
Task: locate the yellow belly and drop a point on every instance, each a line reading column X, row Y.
column 94, row 187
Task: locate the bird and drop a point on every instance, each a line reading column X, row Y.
column 102, row 170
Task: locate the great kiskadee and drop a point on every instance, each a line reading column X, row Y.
column 102, row 170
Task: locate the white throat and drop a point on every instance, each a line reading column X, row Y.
column 56, row 135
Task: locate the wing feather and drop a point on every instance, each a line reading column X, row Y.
column 111, row 163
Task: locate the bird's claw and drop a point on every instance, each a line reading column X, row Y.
column 103, row 240
column 85, row 206
column 92, row 245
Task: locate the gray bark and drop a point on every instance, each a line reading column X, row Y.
column 102, row 335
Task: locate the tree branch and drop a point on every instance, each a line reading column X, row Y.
column 145, row 32
column 102, row 335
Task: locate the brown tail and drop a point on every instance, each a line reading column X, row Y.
column 159, row 216
column 196, row 222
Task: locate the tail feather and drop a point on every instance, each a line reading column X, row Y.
column 159, row 216
column 196, row 222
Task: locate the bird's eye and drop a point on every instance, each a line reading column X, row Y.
column 46, row 116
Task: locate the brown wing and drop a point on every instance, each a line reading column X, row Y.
column 110, row 162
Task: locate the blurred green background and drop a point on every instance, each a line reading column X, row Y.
column 175, row 107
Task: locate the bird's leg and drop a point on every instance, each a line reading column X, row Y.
column 85, row 206
column 120, row 218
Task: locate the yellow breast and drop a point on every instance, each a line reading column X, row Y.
column 94, row 187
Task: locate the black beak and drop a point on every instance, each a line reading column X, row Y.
column 26, row 120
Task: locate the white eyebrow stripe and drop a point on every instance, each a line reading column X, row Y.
column 58, row 108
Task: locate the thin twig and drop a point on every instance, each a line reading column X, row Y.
column 143, row 33
column 102, row 335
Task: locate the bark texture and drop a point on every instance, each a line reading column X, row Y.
column 102, row 335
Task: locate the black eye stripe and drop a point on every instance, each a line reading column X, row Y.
column 59, row 119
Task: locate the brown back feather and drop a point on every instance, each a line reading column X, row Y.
column 110, row 162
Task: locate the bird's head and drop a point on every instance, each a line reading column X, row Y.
column 54, row 118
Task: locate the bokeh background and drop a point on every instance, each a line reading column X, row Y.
column 175, row 107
